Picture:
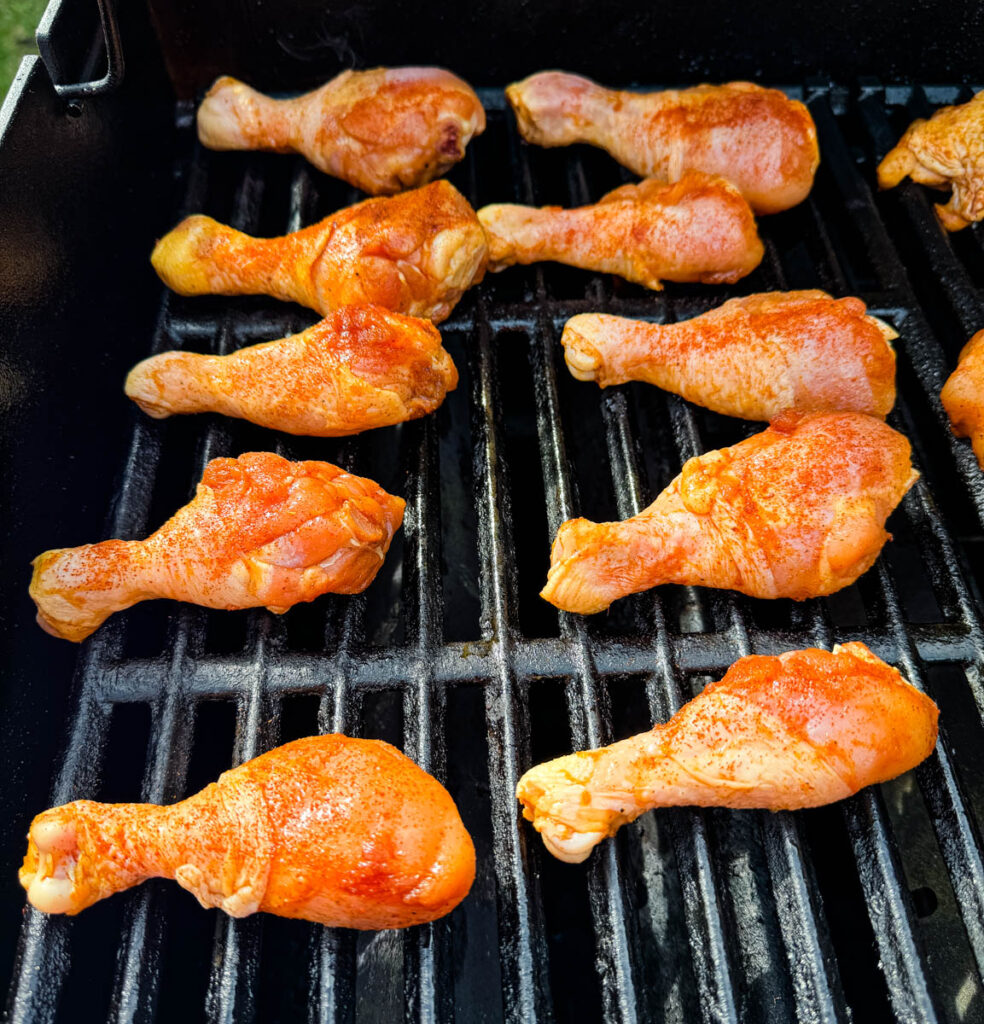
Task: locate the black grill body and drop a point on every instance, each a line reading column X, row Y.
column 869, row 910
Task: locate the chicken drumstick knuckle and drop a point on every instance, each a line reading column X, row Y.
column 413, row 253
column 796, row 511
column 260, row 532
column 345, row 832
column 779, row 733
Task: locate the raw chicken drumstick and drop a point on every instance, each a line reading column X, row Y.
column 759, row 139
column 797, row 511
column 947, row 150
column 382, row 130
column 801, row 730
column 345, row 832
column 751, row 357
column 260, row 531
column 963, row 395
column 413, row 253
column 699, row 229
column 361, row 367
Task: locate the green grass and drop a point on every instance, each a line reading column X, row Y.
column 18, row 20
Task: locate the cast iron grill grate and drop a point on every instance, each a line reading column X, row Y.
column 873, row 909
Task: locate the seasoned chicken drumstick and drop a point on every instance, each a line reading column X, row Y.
column 963, row 395
column 759, row 139
column 260, row 531
column 413, row 253
column 751, row 357
column 345, row 832
column 801, row 730
column 947, row 150
column 361, row 367
column 797, row 511
column 699, row 229
column 382, row 130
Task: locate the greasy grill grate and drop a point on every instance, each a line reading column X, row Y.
column 873, row 909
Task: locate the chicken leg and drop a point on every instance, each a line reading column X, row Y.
column 382, row 130
column 947, row 150
column 260, row 531
column 361, row 367
column 804, row 729
column 345, row 832
column 963, row 395
column 751, row 357
column 699, row 229
column 797, row 511
column 413, row 253
column 759, row 139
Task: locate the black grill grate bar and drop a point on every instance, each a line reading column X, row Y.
column 888, row 902
column 137, row 976
column 427, row 984
column 219, row 676
column 920, row 345
column 43, row 957
column 523, row 944
column 809, row 952
column 587, row 697
column 937, row 778
column 902, row 955
column 809, row 956
column 901, row 952
column 958, row 842
column 135, row 989
column 702, row 895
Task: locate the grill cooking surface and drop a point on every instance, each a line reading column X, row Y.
column 874, row 907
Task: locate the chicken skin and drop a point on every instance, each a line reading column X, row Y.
column 963, row 395
column 945, row 151
column 752, row 357
column 382, row 130
column 699, row 229
column 361, row 367
column 260, row 532
column 344, row 832
column 797, row 511
column 413, row 253
column 804, row 729
column 759, row 139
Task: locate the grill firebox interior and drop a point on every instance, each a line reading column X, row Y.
column 873, row 908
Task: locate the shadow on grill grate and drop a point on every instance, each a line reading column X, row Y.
column 874, row 908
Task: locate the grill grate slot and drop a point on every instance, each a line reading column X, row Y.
column 688, row 913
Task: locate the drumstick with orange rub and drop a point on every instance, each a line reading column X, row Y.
column 413, row 253
column 361, row 367
column 752, row 357
column 778, row 733
column 345, row 832
column 698, row 229
column 759, row 139
column 796, row 511
column 382, row 130
column 947, row 151
column 260, row 532
column 963, row 395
